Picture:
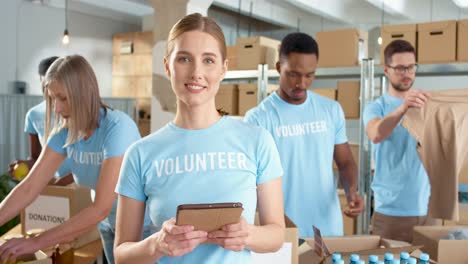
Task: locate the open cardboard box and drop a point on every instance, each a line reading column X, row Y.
column 55, row 205
column 319, row 250
column 287, row 254
column 440, row 249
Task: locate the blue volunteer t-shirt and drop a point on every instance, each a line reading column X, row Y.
column 222, row 163
column 116, row 132
column 34, row 124
column 306, row 136
column 401, row 185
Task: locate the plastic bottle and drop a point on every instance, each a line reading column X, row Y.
column 412, row 261
column 361, row 261
column 424, row 258
column 404, row 257
column 388, row 257
column 373, row 259
column 396, row 261
column 354, row 259
column 336, row 257
column 341, row 261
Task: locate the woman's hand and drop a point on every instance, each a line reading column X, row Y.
column 232, row 237
column 16, row 247
column 176, row 241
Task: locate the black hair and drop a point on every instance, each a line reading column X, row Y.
column 45, row 64
column 300, row 43
column 397, row 46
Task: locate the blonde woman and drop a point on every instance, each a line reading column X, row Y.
column 90, row 134
column 200, row 157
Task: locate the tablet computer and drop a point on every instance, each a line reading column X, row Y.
column 209, row 217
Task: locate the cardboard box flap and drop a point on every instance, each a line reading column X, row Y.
column 346, row 244
column 360, row 244
column 439, row 248
column 435, row 27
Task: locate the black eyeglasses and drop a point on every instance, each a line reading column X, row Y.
column 400, row 69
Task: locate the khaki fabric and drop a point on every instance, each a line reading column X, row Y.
column 399, row 227
column 441, row 129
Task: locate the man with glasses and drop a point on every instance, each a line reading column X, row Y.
column 401, row 185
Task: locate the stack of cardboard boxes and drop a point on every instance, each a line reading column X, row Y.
column 435, row 42
column 342, row 48
column 132, row 72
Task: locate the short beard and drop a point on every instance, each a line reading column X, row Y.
column 400, row 87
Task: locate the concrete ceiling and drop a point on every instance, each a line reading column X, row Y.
column 291, row 13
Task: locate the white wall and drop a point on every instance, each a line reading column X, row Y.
column 40, row 31
column 7, row 44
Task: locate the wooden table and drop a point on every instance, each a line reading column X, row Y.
column 86, row 254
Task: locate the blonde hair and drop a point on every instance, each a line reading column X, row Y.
column 196, row 22
column 79, row 82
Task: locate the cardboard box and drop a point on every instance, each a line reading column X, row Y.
column 463, row 216
column 342, row 48
column 132, row 43
column 227, row 98
column 462, row 40
column 54, row 206
column 247, row 97
column 143, row 42
column 132, row 86
column 232, row 57
column 271, row 88
column 437, row 42
column 364, row 246
column 440, row 249
column 132, row 65
column 253, row 51
column 288, row 252
column 329, row 93
column 390, row 33
column 348, row 97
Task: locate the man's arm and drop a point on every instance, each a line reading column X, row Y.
column 348, row 176
column 379, row 129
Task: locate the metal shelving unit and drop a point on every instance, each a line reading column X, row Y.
column 367, row 73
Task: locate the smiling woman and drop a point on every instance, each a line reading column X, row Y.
column 200, row 157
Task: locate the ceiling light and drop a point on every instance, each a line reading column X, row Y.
column 66, row 35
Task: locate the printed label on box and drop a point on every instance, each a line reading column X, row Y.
column 47, row 212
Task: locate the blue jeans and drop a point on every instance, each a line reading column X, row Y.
column 108, row 236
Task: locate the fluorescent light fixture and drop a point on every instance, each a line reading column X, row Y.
column 461, row 3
